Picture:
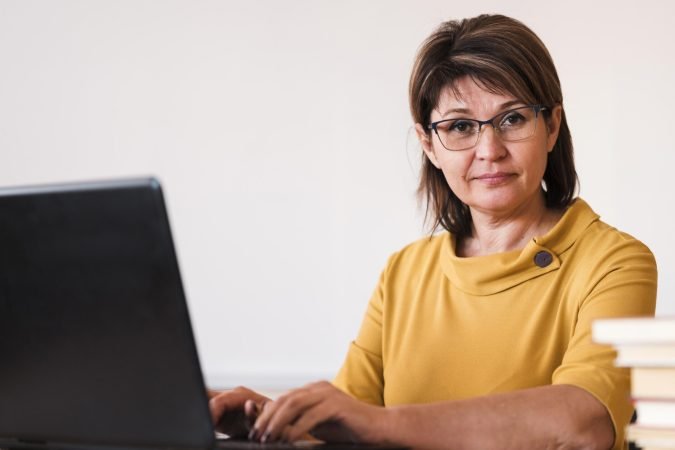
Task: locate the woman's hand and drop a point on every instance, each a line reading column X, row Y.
column 323, row 411
column 233, row 412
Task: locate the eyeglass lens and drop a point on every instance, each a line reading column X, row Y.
column 513, row 125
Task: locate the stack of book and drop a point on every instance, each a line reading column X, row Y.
column 647, row 346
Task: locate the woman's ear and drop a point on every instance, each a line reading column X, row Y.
column 553, row 126
column 425, row 141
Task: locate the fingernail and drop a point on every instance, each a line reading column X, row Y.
column 253, row 434
column 265, row 437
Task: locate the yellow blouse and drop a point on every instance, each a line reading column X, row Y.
column 441, row 327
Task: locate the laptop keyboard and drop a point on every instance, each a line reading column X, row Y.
column 234, row 444
column 245, row 445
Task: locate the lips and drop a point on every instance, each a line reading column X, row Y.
column 494, row 178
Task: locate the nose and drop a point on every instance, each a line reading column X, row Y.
column 489, row 146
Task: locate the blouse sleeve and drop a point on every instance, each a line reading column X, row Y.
column 625, row 286
column 361, row 375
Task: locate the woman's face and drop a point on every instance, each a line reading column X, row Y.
column 493, row 177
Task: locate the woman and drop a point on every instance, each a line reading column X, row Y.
column 480, row 337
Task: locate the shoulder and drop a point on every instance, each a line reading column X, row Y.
column 420, row 253
column 416, row 261
column 606, row 244
column 603, row 258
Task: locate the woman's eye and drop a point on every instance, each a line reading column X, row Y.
column 512, row 119
column 461, row 127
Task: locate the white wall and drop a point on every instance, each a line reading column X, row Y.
column 281, row 132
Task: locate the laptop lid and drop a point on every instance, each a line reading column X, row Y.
column 96, row 345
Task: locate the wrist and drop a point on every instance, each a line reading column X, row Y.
column 388, row 421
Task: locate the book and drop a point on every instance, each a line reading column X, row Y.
column 651, row 438
column 665, row 446
column 634, row 330
column 655, row 413
column 647, row 346
column 645, row 355
column 653, row 382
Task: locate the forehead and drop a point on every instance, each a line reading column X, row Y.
column 469, row 95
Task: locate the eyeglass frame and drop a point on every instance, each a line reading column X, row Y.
column 536, row 107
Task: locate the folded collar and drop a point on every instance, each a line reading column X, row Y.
column 486, row 275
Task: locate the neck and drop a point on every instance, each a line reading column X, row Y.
column 512, row 230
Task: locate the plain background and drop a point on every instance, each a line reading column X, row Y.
column 281, row 132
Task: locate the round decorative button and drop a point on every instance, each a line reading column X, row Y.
column 543, row 259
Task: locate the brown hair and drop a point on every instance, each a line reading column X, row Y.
column 504, row 56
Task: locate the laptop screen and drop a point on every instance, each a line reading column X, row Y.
column 95, row 339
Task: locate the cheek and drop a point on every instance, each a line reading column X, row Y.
column 455, row 168
column 532, row 164
column 541, row 158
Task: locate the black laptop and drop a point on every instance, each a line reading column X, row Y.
column 96, row 346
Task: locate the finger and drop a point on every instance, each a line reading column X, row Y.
column 313, row 416
column 226, row 401
column 228, row 411
column 288, row 408
column 252, row 411
column 288, row 412
column 216, row 407
column 326, row 417
column 232, row 399
column 250, row 408
column 264, row 414
column 284, row 412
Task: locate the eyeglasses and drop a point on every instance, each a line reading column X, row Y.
column 513, row 125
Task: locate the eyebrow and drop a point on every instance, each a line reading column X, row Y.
column 502, row 107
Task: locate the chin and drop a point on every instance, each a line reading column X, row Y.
column 498, row 202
